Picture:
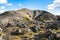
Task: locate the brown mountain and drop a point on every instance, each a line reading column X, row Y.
column 24, row 15
column 30, row 14
column 43, row 15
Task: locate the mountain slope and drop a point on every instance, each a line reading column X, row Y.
column 43, row 15
column 25, row 15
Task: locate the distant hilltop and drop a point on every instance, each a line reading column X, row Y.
column 30, row 14
column 25, row 14
column 31, row 22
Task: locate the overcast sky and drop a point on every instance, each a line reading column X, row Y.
column 52, row 6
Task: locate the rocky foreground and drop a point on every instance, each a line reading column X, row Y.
column 25, row 24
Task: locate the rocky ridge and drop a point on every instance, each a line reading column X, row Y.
column 27, row 23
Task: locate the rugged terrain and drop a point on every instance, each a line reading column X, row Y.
column 25, row 24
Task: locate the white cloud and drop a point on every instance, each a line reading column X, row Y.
column 3, row 1
column 21, row 5
column 16, row 9
column 9, row 4
column 56, row 4
column 56, row 1
column 2, row 7
column 1, row 11
column 51, row 6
